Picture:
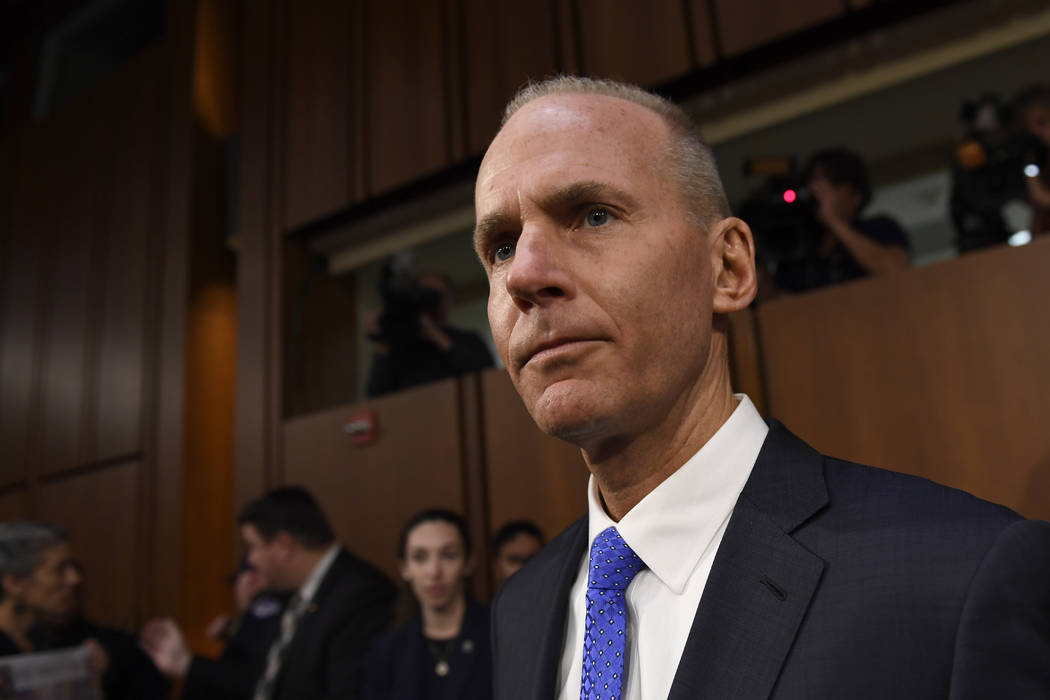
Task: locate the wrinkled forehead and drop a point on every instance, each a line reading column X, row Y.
column 583, row 129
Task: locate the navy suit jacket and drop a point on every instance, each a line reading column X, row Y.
column 352, row 606
column 833, row 580
column 393, row 671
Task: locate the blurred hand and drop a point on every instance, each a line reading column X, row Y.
column 163, row 641
column 98, row 659
column 217, row 627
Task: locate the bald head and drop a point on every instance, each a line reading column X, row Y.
column 686, row 157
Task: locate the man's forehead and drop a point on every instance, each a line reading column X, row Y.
column 561, row 128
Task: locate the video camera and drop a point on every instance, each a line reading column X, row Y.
column 988, row 173
column 781, row 212
column 404, row 301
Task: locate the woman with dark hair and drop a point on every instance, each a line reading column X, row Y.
column 443, row 654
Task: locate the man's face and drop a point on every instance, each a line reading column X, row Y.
column 52, row 589
column 268, row 559
column 515, row 553
column 841, row 199
column 600, row 286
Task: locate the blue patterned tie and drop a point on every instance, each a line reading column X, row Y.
column 613, row 567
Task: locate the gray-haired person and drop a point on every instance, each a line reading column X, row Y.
column 39, row 580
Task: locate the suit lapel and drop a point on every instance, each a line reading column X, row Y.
column 761, row 582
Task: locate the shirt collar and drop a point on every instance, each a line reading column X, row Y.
column 675, row 524
column 309, row 589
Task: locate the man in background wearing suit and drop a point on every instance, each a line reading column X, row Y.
column 338, row 605
column 721, row 557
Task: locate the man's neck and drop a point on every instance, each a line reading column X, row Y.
column 627, row 470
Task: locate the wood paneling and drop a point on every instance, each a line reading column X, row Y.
column 71, row 284
column 320, row 334
column 506, row 44
column 370, row 492
column 19, row 304
column 939, row 371
column 705, row 46
column 318, row 104
column 745, row 24
column 13, row 505
column 643, row 43
column 407, row 92
column 118, row 368
column 530, row 475
column 98, row 509
column 258, row 273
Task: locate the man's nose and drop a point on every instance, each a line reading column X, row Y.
column 539, row 271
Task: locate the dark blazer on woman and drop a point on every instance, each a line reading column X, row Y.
column 396, row 669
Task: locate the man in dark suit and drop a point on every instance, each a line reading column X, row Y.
column 721, row 557
column 317, row 646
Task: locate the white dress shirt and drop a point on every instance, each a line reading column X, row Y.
column 309, row 589
column 676, row 530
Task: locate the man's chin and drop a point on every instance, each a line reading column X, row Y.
column 568, row 410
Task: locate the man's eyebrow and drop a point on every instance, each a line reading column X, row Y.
column 587, row 191
column 490, row 225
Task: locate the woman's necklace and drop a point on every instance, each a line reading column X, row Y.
column 441, row 656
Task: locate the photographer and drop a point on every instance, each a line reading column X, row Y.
column 1031, row 115
column 849, row 247
column 412, row 344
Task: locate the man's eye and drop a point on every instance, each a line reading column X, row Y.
column 597, row 217
column 504, row 252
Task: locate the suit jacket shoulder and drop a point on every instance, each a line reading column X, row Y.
column 832, row 580
column 352, row 606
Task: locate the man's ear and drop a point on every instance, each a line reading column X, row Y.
column 733, row 259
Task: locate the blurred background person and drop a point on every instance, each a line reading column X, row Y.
column 251, row 602
column 128, row 673
column 514, row 544
column 443, row 654
column 39, row 580
column 412, row 341
column 848, row 246
column 1031, row 117
column 316, row 647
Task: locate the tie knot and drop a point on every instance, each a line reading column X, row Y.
column 613, row 564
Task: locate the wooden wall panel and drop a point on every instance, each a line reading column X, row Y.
column 119, row 364
column 530, row 475
column 705, row 45
column 320, row 334
column 369, row 492
column 14, row 505
column 407, row 97
column 20, row 305
column 318, row 104
column 71, row 281
column 258, row 273
column 98, row 509
column 940, row 371
column 745, row 24
column 506, row 43
column 643, row 43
